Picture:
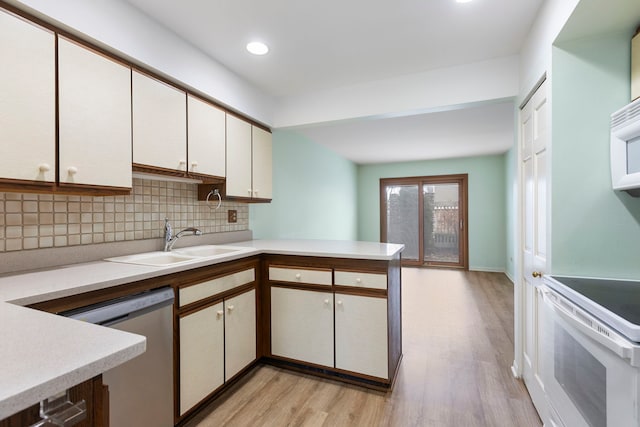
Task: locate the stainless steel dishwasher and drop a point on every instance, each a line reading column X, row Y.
column 140, row 390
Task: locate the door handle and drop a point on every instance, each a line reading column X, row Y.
column 536, row 274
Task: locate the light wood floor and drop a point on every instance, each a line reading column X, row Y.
column 458, row 349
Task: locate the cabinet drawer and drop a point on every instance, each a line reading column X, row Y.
column 300, row 275
column 209, row 288
column 361, row 280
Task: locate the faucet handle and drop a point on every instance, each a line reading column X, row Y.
column 167, row 230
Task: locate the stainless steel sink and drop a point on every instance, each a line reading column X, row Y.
column 156, row 259
column 207, row 251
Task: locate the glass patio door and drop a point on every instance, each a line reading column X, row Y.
column 427, row 215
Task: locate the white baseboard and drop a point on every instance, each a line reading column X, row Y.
column 510, row 277
column 514, row 370
column 487, row 270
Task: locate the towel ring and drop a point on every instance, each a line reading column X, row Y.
column 214, row 192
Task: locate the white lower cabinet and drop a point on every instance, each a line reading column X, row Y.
column 240, row 332
column 302, row 325
column 216, row 343
column 361, row 335
column 201, row 354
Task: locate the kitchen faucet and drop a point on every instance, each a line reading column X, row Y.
column 170, row 239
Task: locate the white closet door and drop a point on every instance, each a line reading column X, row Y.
column 361, row 335
column 240, row 332
column 27, row 100
column 238, row 157
column 201, row 355
column 534, row 158
column 262, row 163
column 302, row 325
column 159, row 124
column 95, row 117
column 207, row 148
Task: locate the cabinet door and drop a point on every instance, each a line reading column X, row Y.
column 201, row 355
column 361, row 335
column 95, row 117
column 302, row 325
column 206, row 134
column 159, row 124
column 27, row 100
column 238, row 157
column 262, row 164
column 240, row 332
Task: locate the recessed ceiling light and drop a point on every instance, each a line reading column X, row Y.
column 257, row 48
column 463, row 1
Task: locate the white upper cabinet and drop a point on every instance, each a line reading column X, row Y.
column 262, row 163
column 238, row 157
column 206, row 136
column 95, row 117
column 27, row 100
column 249, row 164
column 159, row 124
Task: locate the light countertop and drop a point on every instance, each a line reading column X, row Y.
column 326, row 248
column 43, row 354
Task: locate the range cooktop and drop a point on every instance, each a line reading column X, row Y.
column 616, row 302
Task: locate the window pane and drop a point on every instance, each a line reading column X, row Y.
column 403, row 218
column 441, row 223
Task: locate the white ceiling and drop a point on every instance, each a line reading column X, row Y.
column 465, row 132
column 323, row 44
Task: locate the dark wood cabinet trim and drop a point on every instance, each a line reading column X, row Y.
column 127, row 62
column 41, row 187
column 20, row 186
column 92, row 391
column 302, row 286
column 262, row 287
column 330, row 373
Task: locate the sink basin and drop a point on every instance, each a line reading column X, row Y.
column 156, row 259
column 207, row 251
column 178, row 256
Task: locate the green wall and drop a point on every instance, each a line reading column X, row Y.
column 314, row 193
column 487, row 210
column 595, row 231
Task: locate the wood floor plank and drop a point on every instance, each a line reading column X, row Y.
column 458, row 349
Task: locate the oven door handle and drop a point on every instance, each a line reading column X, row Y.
column 613, row 342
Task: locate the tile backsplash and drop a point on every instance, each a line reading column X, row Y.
column 33, row 221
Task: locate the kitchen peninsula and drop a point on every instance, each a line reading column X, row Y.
column 47, row 354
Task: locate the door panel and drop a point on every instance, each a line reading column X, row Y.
column 95, row 117
column 261, row 150
column 534, row 166
column 206, row 137
column 441, row 223
column 361, row 335
column 159, row 124
column 240, row 332
column 403, row 218
column 201, row 355
column 302, row 325
column 238, row 157
column 27, row 100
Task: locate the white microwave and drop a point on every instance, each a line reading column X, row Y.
column 625, row 149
